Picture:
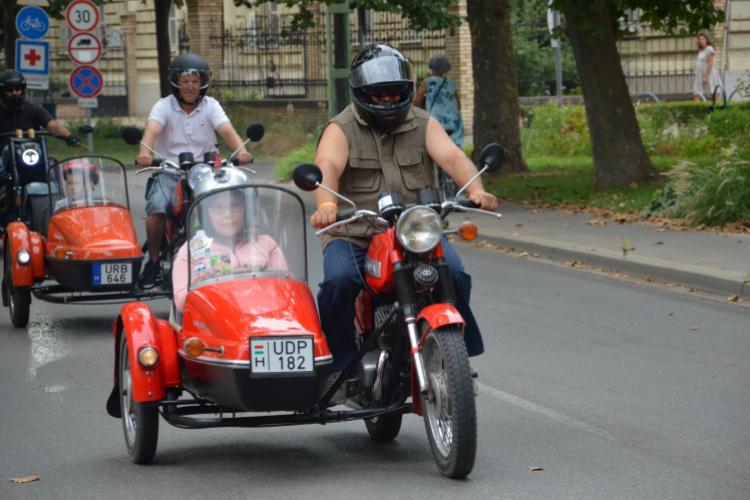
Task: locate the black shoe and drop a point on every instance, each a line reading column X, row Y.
column 151, row 276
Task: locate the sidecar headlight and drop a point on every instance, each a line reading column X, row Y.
column 148, row 357
column 419, row 229
column 195, row 173
column 23, row 257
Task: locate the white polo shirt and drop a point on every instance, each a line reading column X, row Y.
column 182, row 132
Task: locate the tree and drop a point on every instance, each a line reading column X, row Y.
column 620, row 159
column 495, row 81
column 163, row 47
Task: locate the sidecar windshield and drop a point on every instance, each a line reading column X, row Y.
column 87, row 181
column 246, row 232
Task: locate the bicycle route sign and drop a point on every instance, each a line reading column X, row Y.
column 82, row 15
column 32, row 23
column 86, row 82
column 84, row 48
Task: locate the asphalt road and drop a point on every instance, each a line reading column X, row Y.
column 585, row 376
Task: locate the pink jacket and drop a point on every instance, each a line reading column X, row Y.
column 217, row 259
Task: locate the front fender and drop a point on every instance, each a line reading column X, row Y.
column 437, row 315
column 18, row 237
column 142, row 329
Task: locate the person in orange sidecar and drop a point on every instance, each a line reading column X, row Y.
column 80, row 177
column 229, row 243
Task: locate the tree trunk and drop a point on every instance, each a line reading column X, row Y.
column 339, row 61
column 620, row 158
column 10, row 10
column 496, row 109
column 163, row 47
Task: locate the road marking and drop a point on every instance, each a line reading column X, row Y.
column 547, row 412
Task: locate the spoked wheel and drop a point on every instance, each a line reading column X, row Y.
column 19, row 298
column 450, row 413
column 139, row 422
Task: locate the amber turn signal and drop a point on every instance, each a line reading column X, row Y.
column 61, row 252
column 193, row 347
column 467, row 231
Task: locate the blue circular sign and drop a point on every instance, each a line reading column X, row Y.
column 86, row 81
column 32, row 23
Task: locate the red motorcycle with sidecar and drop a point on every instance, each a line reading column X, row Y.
column 244, row 337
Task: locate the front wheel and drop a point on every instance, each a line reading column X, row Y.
column 384, row 428
column 450, row 413
column 139, row 422
column 19, row 298
column 39, row 211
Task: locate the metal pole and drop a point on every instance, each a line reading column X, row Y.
column 558, row 70
column 91, row 136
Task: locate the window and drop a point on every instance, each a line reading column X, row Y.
column 174, row 32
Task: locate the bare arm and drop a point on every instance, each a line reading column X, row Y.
column 455, row 163
column 708, row 68
column 153, row 131
column 58, row 128
column 420, row 94
column 332, row 158
column 227, row 132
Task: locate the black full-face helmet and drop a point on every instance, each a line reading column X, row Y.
column 8, row 79
column 189, row 64
column 380, row 70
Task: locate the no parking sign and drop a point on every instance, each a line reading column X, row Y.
column 86, row 81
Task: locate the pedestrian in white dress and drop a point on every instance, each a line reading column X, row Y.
column 706, row 75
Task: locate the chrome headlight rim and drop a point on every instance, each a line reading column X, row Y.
column 195, row 173
column 143, row 355
column 405, row 219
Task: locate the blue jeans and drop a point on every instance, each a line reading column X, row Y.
column 341, row 285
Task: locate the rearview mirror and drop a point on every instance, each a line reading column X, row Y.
column 132, row 135
column 306, row 176
column 255, row 132
column 85, row 129
column 491, row 157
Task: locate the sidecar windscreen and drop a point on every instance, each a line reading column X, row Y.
column 87, row 181
column 246, row 233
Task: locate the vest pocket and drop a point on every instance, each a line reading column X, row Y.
column 412, row 170
column 364, row 173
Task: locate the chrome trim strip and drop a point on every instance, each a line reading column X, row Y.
column 229, row 363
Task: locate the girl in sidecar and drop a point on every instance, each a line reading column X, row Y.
column 80, row 178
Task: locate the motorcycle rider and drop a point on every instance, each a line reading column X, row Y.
column 182, row 122
column 16, row 113
column 381, row 143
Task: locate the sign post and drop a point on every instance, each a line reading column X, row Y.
column 86, row 82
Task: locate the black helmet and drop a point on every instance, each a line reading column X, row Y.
column 12, row 78
column 380, row 70
column 189, row 64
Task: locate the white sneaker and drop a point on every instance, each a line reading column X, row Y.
column 339, row 397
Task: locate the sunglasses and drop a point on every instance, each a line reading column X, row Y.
column 11, row 90
column 387, row 91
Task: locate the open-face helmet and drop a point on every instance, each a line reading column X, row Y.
column 11, row 78
column 381, row 70
column 189, row 64
column 83, row 166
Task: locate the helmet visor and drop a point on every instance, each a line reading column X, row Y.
column 379, row 70
column 190, row 76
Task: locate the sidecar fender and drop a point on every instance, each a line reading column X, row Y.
column 18, row 237
column 142, row 329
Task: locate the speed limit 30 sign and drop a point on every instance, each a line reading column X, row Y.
column 82, row 15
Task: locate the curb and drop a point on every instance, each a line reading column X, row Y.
column 703, row 278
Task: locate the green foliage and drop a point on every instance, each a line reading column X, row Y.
column 427, row 15
column 712, row 195
column 286, row 164
column 624, row 248
column 556, row 131
column 662, row 202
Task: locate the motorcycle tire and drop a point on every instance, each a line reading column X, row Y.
column 450, row 413
column 19, row 298
column 384, row 428
column 39, row 210
column 140, row 423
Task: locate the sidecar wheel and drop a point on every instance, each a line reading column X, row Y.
column 384, row 428
column 450, row 413
column 140, row 423
column 19, row 298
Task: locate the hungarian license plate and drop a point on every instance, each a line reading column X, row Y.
column 282, row 355
column 112, row 274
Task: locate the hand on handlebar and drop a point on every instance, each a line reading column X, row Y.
column 73, row 141
column 324, row 216
column 485, row 200
column 243, row 158
column 144, row 160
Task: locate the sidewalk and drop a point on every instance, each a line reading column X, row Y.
column 708, row 261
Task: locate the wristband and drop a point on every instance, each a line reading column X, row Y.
column 327, row 203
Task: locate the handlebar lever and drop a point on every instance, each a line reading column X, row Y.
column 360, row 214
column 461, row 208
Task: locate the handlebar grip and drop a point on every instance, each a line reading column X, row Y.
column 156, row 162
column 344, row 214
column 465, row 202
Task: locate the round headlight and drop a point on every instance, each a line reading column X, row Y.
column 148, row 357
column 23, row 257
column 419, row 229
column 195, row 173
